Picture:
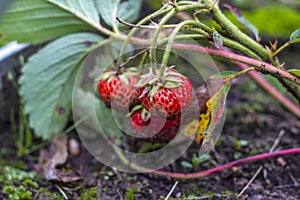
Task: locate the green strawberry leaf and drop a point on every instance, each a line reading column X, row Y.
column 295, row 35
column 47, row 82
column 246, row 23
column 186, row 164
column 107, row 121
column 94, row 116
column 216, row 107
column 37, row 21
column 127, row 10
column 295, row 72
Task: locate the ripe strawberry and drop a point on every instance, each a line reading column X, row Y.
column 149, row 129
column 171, row 98
column 118, row 89
column 137, row 122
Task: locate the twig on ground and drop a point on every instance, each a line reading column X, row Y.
column 293, row 179
column 171, row 191
column 62, row 192
column 119, row 194
column 286, row 186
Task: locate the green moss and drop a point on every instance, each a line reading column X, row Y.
column 130, row 193
column 16, row 193
column 12, row 175
column 17, row 183
column 44, row 193
column 30, row 183
column 90, row 194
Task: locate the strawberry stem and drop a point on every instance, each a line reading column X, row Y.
column 142, row 62
column 115, row 12
column 164, row 20
column 183, row 37
column 235, row 31
column 161, row 11
column 273, row 91
column 171, row 41
column 243, row 72
column 284, row 46
column 259, row 65
column 155, row 38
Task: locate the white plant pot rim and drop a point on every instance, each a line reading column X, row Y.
column 11, row 49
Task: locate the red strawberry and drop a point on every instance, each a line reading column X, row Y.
column 169, row 100
column 137, row 123
column 118, row 89
column 149, row 129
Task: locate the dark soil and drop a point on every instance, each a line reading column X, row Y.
column 253, row 117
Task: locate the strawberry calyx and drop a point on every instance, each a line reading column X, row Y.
column 167, row 95
column 123, row 73
column 145, row 114
column 152, row 83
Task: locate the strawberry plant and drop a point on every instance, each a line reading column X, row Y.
column 101, row 52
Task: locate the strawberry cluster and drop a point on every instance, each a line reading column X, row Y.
column 152, row 99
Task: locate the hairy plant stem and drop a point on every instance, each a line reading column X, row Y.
column 195, row 175
column 228, row 42
column 283, row 100
column 259, row 65
column 159, row 12
column 155, row 38
column 164, row 20
column 284, row 46
column 244, row 71
column 114, row 16
column 241, row 48
column 232, row 44
column 171, row 41
column 142, row 62
column 236, row 32
column 247, row 41
column 165, row 9
column 229, row 165
column 182, row 37
column 185, row 2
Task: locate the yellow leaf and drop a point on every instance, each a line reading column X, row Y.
column 204, row 121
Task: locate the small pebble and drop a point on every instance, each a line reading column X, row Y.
column 74, row 147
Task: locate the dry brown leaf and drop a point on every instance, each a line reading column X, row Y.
column 206, row 91
column 57, row 155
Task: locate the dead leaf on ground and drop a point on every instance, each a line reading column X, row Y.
column 55, row 156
